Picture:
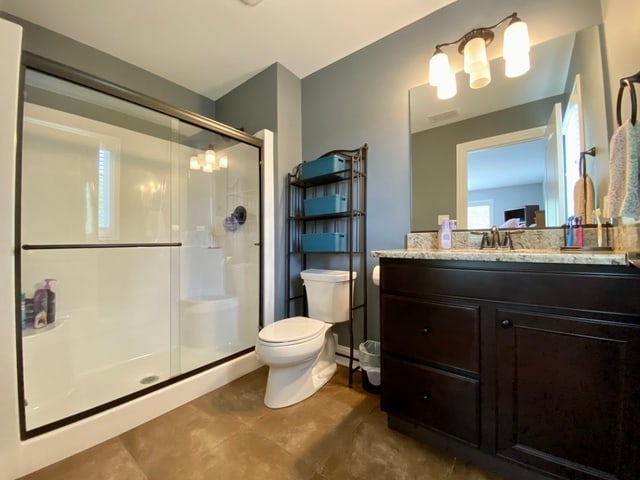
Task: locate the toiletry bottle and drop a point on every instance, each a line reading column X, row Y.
column 597, row 214
column 570, row 231
column 579, row 232
column 28, row 311
column 40, row 306
column 23, row 312
column 444, row 235
column 51, row 300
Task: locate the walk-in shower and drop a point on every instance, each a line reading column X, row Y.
column 148, row 219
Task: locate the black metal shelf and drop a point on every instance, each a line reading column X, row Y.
column 351, row 183
column 338, row 176
column 328, row 216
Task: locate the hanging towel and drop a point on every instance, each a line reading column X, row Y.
column 583, row 199
column 623, row 198
column 631, row 201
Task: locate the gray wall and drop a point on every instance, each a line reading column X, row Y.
column 271, row 100
column 52, row 45
column 364, row 98
column 433, row 154
column 589, row 66
column 622, row 37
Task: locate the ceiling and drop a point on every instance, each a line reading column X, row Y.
column 212, row 46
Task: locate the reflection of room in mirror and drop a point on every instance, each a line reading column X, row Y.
column 439, row 127
column 506, row 177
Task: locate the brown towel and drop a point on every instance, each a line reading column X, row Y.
column 583, row 199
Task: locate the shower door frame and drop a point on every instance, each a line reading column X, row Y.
column 65, row 72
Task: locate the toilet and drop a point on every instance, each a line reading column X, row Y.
column 301, row 351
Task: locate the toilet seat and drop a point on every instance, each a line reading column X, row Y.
column 291, row 331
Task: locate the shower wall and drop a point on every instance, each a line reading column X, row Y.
column 155, row 272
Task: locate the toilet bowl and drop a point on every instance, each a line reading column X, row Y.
column 301, row 351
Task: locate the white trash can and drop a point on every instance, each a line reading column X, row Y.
column 370, row 365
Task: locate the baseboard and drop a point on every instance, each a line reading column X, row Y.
column 342, row 356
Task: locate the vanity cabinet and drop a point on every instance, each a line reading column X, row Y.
column 530, row 369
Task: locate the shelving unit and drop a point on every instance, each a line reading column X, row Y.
column 350, row 183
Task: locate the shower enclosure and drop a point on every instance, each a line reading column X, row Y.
column 148, row 219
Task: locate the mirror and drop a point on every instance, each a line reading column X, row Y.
column 488, row 146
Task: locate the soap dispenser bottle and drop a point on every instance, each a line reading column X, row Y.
column 40, row 306
column 51, row 300
column 444, row 235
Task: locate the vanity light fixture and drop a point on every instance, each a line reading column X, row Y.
column 473, row 45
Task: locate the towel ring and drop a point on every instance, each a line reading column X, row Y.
column 627, row 82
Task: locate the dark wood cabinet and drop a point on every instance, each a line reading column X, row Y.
column 497, row 363
column 565, row 394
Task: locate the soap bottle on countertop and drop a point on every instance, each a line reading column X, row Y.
column 51, row 300
column 444, row 235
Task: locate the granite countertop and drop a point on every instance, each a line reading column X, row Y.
column 493, row 255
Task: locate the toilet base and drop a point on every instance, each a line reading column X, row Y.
column 291, row 384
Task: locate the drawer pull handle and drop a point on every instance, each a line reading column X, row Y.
column 426, row 397
column 506, row 323
column 426, row 331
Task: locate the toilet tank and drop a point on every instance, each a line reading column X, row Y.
column 327, row 294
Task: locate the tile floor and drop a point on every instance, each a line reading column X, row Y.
column 338, row 433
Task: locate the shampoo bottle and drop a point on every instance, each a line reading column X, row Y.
column 40, row 306
column 444, row 235
column 51, row 300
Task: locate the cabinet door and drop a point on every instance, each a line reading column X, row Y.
column 431, row 397
column 567, row 395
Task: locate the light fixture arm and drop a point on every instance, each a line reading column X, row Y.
column 483, row 32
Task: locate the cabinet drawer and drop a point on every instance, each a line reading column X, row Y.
column 441, row 400
column 433, row 332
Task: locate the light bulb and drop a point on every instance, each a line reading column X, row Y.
column 475, row 55
column 514, row 67
column 194, row 164
column 480, row 78
column 224, row 162
column 438, row 68
column 210, row 156
column 516, row 40
column 448, row 88
column 207, row 167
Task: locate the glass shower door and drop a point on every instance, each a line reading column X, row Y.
column 138, row 253
column 220, row 255
column 96, row 217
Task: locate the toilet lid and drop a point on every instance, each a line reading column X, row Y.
column 291, row 330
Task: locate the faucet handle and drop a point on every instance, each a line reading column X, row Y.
column 484, row 242
column 508, row 241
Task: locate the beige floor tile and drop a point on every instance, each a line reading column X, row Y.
column 338, row 390
column 312, row 429
column 374, row 451
column 179, row 444
column 242, row 399
column 248, row 456
column 337, row 433
column 109, row 460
